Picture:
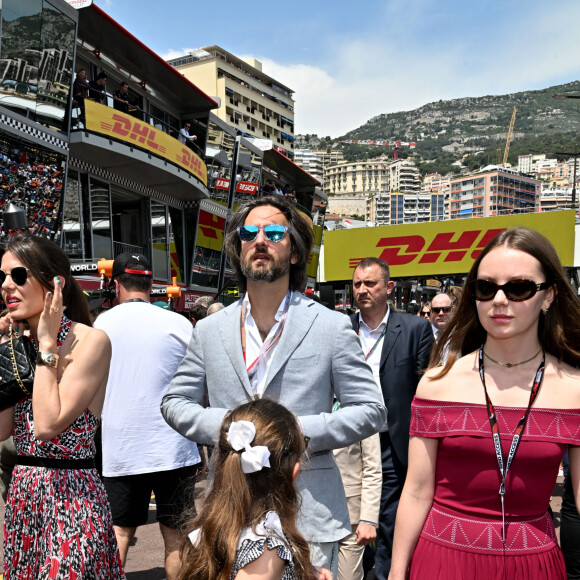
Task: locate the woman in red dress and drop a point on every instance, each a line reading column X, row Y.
column 58, row 521
column 489, row 429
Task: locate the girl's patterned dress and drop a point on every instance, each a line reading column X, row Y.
column 58, row 521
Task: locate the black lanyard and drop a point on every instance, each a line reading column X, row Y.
column 517, row 433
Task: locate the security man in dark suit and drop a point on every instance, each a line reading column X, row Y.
column 397, row 347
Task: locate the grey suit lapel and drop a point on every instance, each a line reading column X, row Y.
column 300, row 319
column 393, row 331
column 231, row 337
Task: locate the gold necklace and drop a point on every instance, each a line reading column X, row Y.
column 509, row 365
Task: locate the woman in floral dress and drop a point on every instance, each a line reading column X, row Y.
column 58, row 522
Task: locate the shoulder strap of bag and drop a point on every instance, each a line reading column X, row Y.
column 14, row 364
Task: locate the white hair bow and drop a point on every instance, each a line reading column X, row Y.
column 240, row 435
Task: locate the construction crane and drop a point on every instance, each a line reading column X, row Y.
column 509, row 137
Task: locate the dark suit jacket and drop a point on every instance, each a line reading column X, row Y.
column 405, row 356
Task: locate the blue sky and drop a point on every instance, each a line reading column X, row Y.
column 350, row 61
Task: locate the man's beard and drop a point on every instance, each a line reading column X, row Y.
column 274, row 271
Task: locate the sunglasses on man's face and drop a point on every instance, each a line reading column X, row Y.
column 514, row 290
column 274, row 232
column 440, row 309
column 19, row 275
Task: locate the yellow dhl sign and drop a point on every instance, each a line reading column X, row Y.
column 107, row 121
column 437, row 248
column 210, row 230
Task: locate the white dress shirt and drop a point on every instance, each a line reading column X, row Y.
column 368, row 337
column 254, row 343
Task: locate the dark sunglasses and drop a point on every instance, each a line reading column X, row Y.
column 440, row 309
column 514, row 290
column 425, row 313
column 274, row 232
column 19, row 275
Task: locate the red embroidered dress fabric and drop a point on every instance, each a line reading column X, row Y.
column 462, row 536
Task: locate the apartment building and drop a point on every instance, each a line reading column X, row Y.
column 332, row 157
column 310, row 162
column 527, row 163
column 251, row 101
column 494, row 190
column 556, row 199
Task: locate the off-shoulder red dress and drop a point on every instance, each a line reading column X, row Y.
column 462, row 535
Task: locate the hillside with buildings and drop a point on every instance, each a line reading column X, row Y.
column 445, row 160
column 445, row 131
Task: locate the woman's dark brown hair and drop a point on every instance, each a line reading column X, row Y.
column 237, row 500
column 45, row 260
column 558, row 329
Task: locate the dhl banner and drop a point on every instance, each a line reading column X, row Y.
column 210, row 231
column 437, row 248
column 107, row 121
column 312, row 267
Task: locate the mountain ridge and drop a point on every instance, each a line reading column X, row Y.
column 472, row 125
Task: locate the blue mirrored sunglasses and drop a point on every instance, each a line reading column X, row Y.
column 274, row 232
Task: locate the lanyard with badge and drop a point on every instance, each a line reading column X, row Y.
column 267, row 345
column 517, row 433
column 373, row 348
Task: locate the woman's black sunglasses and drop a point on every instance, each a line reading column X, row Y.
column 514, row 290
column 19, row 275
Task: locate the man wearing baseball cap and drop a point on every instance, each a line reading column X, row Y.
column 141, row 453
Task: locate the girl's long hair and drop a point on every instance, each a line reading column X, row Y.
column 45, row 260
column 237, row 500
column 558, row 329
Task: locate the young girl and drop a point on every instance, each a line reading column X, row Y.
column 247, row 528
column 489, row 429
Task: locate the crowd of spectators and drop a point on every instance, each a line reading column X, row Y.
column 33, row 185
column 273, row 188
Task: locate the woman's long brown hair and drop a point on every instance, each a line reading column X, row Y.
column 237, row 500
column 558, row 329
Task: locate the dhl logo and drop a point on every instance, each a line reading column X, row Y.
column 133, row 130
column 211, row 224
column 401, row 250
column 191, row 161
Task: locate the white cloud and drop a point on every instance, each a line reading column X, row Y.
column 389, row 72
column 172, row 53
column 370, row 77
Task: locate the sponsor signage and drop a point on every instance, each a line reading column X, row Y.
column 78, row 4
column 83, row 268
column 437, row 248
column 210, row 230
column 113, row 123
column 313, row 258
column 241, row 187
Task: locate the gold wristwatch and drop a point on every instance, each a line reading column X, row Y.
column 49, row 359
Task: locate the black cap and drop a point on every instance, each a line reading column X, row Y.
column 123, row 261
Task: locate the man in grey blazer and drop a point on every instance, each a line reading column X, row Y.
column 278, row 344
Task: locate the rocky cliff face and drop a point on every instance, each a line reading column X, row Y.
column 446, row 130
column 473, row 118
